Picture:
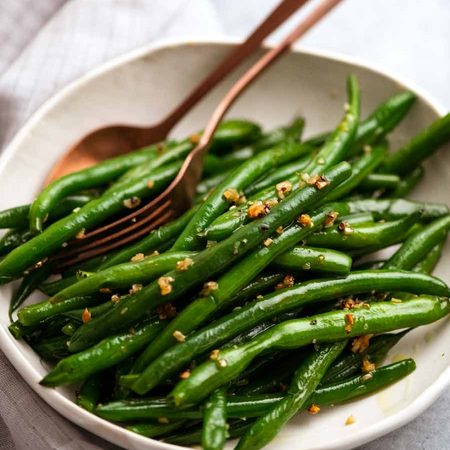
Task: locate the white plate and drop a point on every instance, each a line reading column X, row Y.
column 141, row 87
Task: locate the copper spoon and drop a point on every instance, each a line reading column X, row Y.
column 180, row 193
column 114, row 140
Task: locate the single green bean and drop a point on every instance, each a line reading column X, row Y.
column 13, row 239
column 362, row 236
column 377, row 181
column 152, row 430
column 409, row 182
column 214, row 433
column 106, row 353
column 418, row 245
column 315, row 260
column 419, row 147
column 90, row 392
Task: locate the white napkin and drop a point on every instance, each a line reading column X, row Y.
column 80, row 36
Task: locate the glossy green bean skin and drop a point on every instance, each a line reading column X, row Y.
column 427, row 264
column 27, row 286
column 408, row 182
column 36, row 313
column 393, row 209
column 385, row 118
column 207, row 263
column 305, row 380
column 282, row 173
column 220, row 331
column 209, row 184
column 17, row 217
column 152, row 430
column 334, row 150
column 362, row 167
column 315, row 260
column 419, row 147
column 327, row 327
column 248, row 406
column 202, row 309
column 106, row 353
column 418, row 245
column 124, row 275
column 216, row 204
column 214, row 432
column 13, row 239
column 90, row 392
column 94, row 212
column 364, row 235
column 349, row 364
column 377, row 181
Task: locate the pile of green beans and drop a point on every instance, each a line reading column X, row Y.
column 261, row 300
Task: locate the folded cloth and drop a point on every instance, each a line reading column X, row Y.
column 81, row 35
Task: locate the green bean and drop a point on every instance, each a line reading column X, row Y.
column 94, row 212
column 206, row 264
column 305, row 381
column 69, row 328
column 90, row 392
column 363, row 236
column 360, row 169
column 29, row 283
column 210, row 183
column 290, row 133
column 282, row 173
column 202, row 309
column 106, row 353
column 152, row 430
column 315, row 260
column 36, row 313
column 385, row 118
column 249, row 406
column 409, row 182
column 392, row 209
column 13, row 239
column 124, row 275
column 279, row 302
column 214, row 433
column 51, row 288
column 18, row 217
column 419, row 147
column 418, row 245
column 429, row 262
column 327, row 327
column 239, row 179
column 384, row 181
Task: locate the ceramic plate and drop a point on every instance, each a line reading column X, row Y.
column 143, row 86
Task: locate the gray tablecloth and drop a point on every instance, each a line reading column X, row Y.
column 47, row 43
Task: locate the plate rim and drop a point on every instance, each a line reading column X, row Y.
column 110, row 431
